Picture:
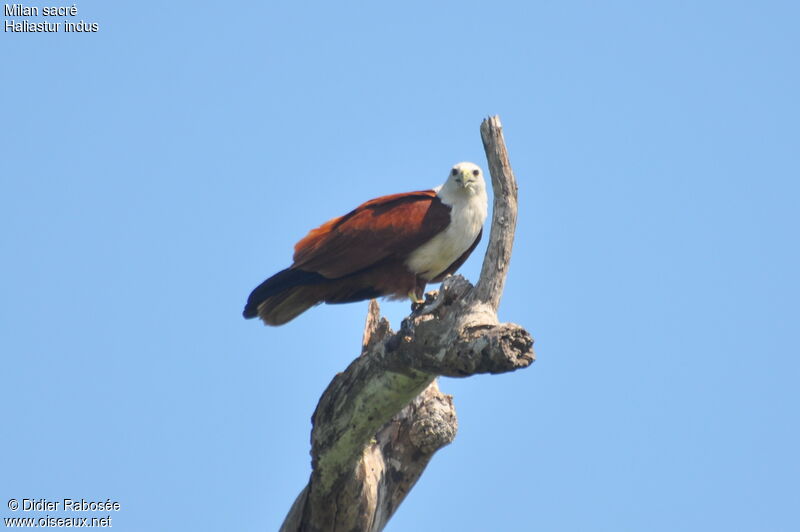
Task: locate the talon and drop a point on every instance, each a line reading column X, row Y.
column 415, row 298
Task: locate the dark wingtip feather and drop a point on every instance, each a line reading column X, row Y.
column 280, row 282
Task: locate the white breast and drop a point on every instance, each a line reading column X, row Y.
column 468, row 212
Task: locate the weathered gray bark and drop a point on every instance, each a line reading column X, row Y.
column 381, row 420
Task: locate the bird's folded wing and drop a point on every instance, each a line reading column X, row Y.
column 389, row 227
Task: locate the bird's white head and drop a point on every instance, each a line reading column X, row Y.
column 465, row 178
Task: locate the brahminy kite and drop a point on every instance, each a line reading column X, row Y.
column 390, row 246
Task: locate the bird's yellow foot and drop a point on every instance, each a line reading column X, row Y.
column 415, row 298
column 416, row 301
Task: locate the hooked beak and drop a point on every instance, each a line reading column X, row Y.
column 464, row 178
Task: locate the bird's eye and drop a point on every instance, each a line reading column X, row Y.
column 476, row 172
column 455, row 171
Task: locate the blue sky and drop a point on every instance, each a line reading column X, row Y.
column 154, row 172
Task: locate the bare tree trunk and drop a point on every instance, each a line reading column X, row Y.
column 381, row 420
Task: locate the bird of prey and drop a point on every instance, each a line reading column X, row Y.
column 389, row 246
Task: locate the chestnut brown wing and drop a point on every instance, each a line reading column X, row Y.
column 386, row 227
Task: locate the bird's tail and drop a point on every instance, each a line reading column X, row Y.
column 285, row 295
